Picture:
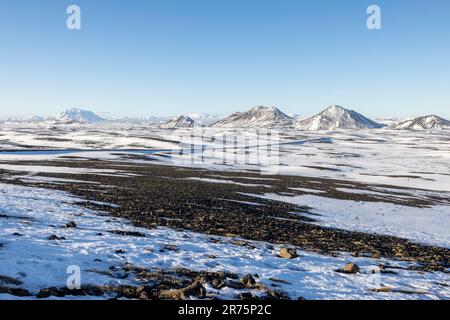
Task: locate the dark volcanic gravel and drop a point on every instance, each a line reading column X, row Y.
column 158, row 195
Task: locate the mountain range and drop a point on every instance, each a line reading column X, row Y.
column 332, row 118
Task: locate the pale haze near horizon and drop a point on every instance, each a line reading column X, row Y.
column 165, row 58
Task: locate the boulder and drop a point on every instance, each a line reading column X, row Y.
column 70, row 224
column 196, row 289
column 248, row 280
column 350, row 268
column 288, row 253
column 55, row 237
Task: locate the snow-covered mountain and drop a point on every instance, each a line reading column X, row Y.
column 203, row 118
column 257, row 117
column 153, row 120
column 180, row 122
column 422, row 123
column 337, row 117
column 75, row 115
column 26, row 120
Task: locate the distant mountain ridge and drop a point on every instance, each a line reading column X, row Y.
column 260, row 116
column 422, row 123
column 27, row 119
column 180, row 122
column 332, row 118
column 78, row 115
column 337, row 117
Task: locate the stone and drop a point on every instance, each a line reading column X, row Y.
column 50, row 292
column 196, row 289
column 170, row 247
column 248, row 280
column 55, row 237
column 10, row 280
column 70, row 224
column 376, row 255
column 128, row 233
column 18, row 292
column 350, row 268
column 143, row 296
column 245, row 296
column 288, row 253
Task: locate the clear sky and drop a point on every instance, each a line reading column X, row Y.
column 168, row 57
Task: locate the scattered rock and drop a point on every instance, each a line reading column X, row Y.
column 70, row 224
column 349, row 268
column 18, row 292
column 128, row 233
column 245, row 296
column 194, row 290
column 275, row 295
column 143, row 296
column 402, row 291
column 55, row 237
column 382, row 289
column 171, row 247
column 376, row 255
column 248, row 280
column 86, row 290
column 241, row 243
column 288, row 253
column 279, row 281
column 235, row 285
column 217, row 283
column 50, row 292
column 9, row 280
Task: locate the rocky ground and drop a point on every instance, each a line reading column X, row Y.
column 155, row 195
column 217, row 204
column 177, row 284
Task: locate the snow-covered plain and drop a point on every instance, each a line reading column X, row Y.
column 31, row 215
column 418, row 160
column 415, row 159
column 389, row 161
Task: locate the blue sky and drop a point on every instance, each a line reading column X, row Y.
column 167, row 57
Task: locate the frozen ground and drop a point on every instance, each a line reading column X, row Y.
column 388, row 161
column 29, row 216
column 415, row 159
column 424, row 225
